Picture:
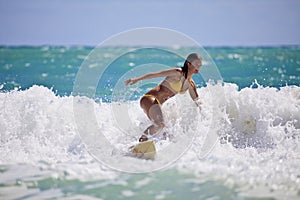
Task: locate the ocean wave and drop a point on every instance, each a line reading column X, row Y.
column 258, row 132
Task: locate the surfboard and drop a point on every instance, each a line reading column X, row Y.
column 144, row 150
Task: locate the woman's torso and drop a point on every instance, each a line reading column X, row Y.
column 171, row 86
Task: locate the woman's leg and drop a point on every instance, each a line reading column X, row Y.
column 154, row 113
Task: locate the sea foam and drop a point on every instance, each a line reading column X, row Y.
column 257, row 129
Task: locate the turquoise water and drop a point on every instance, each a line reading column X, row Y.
column 56, row 67
column 254, row 113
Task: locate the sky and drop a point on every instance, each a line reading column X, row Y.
column 90, row 22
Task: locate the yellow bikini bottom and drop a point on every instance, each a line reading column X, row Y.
column 150, row 95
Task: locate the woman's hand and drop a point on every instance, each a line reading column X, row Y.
column 198, row 102
column 131, row 81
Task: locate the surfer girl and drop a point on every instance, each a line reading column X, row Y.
column 177, row 81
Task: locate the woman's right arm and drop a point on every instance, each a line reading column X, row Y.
column 163, row 73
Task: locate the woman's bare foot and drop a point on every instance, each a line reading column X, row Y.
column 143, row 138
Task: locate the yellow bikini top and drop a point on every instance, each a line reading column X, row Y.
column 176, row 86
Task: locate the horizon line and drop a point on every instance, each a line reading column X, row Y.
column 139, row 46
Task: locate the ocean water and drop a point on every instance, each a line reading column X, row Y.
column 51, row 148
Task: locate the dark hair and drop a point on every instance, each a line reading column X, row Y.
column 189, row 59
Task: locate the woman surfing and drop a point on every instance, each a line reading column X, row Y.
column 177, row 81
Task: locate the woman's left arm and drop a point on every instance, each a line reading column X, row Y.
column 193, row 93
